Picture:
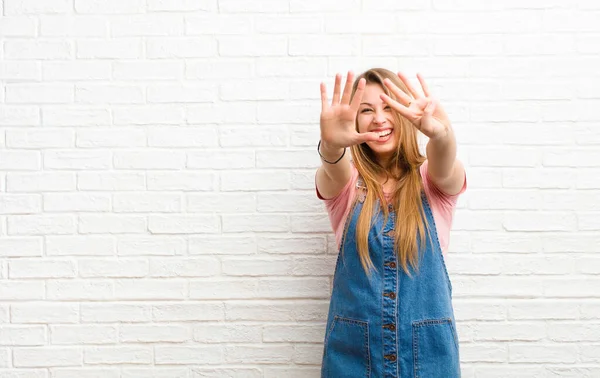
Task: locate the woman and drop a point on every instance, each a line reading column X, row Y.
column 391, row 210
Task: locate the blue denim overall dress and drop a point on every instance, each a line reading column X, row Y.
column 390, row 325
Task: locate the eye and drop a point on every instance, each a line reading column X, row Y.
column 387, row 108
column 365, row 110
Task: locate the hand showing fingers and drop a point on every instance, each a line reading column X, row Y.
column 422, row 110
column 338, row 118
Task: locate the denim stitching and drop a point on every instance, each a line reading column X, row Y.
column 437, row 240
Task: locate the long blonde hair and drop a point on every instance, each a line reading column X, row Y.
column 404, row 167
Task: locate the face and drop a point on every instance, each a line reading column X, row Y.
column 374, row 115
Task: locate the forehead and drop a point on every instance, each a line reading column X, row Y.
column 372, row 92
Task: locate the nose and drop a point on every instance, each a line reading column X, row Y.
column 379, row 118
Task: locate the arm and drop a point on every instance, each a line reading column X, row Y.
column 337, row 133
column 426, row 114
column 446, row 172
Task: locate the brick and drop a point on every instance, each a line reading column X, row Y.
column 188, row 311
column 148, row 159
column 73, row 26
column 120, row 268
column 112, row 224
column 169, row 93
column 39, row 93
column 220, row 25
column 146, row 25
column 253, row 46
column 182, row 5
column 152, row 245
column 22, row 335
column 118, row 355
column 20, row 204
column 221, row 202
column 76, row 202
column 19, row 116
column 47, row 357
column 20, row 72
column 78, row 70
column 117, row 137
column 146, row 203
column 108, row 94
column 185, row 355
column 188, row 267
column 189, row 136
column 41, row 225
column 75, row 116
column 183, row 224
column 43, row 313
column 87, row 245
column 323, row 45
column 110, row 181
column 13, row 7
column 122, row 48
column 190, row 47
column 154, row 334
column 184, row 181
column 115, row 312
column 109, row 7
column 73, row 159
column 39, row 139
column 21, row 247
column 150, row 289
column 79, row 290
column 33, row 49
column 218, row 159
column 78, row 334
column 41, row 269
column 18, row 27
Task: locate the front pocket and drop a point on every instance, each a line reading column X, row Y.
column 435, row 349
column 347, row 349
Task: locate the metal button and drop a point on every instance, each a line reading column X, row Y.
column 391, row 357
column 391, row 295
column 391, row 327
column 391, row 264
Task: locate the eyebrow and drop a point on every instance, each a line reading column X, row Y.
column 366, row 103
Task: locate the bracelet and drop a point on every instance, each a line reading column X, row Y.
column 329, row 162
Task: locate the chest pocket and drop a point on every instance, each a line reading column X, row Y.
column 347, row 349
column 435, row 349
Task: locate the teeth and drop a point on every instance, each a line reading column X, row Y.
column 385, row 133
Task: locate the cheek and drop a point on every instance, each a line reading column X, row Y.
column 363, row 123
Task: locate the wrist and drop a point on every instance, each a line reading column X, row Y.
column 330, row 154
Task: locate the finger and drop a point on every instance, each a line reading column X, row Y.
column 409, row 86
column 423, row 85
column 366, row 137
column 336, row 90
column 358, row 95
column 403, row 110
column 323, row 97
column 348, row 88
column 399, row 93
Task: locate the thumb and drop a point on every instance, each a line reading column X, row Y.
column 367, row 137
column 430, row 108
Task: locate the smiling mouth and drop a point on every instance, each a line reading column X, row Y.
column 384, row 133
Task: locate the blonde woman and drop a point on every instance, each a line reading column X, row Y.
column 391, row 209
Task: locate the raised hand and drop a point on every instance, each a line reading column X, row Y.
column 338, row 128
column 423, row 111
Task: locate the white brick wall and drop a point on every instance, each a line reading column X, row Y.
column 157, row 207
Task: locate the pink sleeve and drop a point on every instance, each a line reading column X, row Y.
column 338, row 207
column 442, row 206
